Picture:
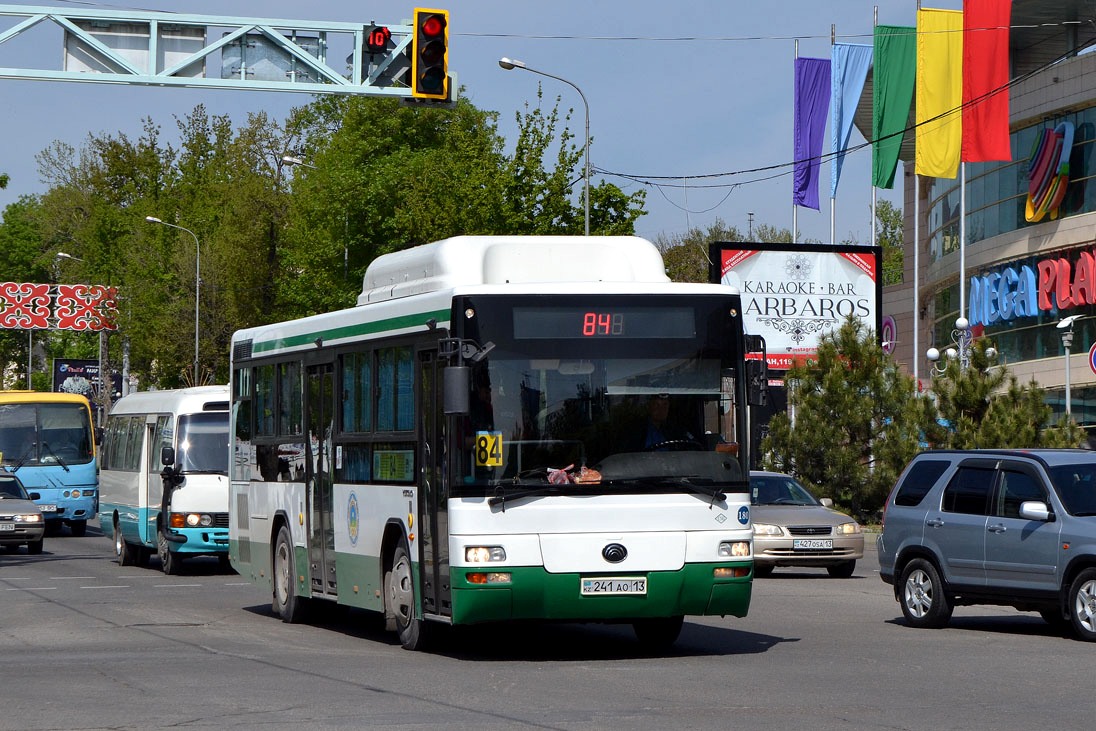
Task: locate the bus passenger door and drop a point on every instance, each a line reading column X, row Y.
column 320, row 418
column 433, row 491
column 149, row 483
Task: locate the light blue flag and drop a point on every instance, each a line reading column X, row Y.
column 849, row 71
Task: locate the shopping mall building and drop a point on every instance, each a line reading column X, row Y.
column 1025, row 266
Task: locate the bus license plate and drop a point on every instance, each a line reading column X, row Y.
column 608, row 585
column 7, row 527
column 48, row 508
column 812, row 544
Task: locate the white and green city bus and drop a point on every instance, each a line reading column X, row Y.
column 471, row 442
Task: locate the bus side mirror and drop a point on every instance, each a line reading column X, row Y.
column 457, row 383
column 757, row 383
column 167, row 456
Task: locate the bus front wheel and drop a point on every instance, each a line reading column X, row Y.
column 124, row 552
column 171, row 562
column 400, row 604
column 286, row 603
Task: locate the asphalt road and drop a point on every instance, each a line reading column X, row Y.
column 88, row 644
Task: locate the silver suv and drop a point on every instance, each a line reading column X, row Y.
column 1007, row 527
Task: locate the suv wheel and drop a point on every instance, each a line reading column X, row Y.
column 1082, row 605
column 924, row 603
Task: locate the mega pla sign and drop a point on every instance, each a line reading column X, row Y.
column 1026, row 290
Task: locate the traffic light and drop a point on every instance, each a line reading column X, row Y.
column 430, row 55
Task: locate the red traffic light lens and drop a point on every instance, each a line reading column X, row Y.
column 433, row 26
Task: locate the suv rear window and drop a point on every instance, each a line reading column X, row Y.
column 969, row 489
column 919, row 480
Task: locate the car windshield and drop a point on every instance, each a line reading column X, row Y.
column 1076, row 486
column 779, row 490
column 12, row 489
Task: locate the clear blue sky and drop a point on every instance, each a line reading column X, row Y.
column 718, row 102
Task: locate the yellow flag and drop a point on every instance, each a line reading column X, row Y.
column 939, row 96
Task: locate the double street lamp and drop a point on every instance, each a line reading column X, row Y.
column 962, row 339
column 511, row 63
column 197, row 283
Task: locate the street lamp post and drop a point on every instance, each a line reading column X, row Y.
column 511, row 63
column 959, row 349
column 1066, row 326
column 197, row 283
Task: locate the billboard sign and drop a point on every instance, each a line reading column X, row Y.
column 793, row 294
column 82, row 377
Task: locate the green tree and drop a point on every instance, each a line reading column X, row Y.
column 382, row 177
column 857, row 421
column 984, row 406
column 889, row 235
column 686, row 255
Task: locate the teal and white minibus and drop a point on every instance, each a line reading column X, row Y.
column 164, row 478
column 470, row 442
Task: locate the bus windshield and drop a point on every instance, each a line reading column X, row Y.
column 45, row 434
column 645, row 408
column 203, row 443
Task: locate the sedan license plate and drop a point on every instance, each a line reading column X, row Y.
column 7, row 527
column 48, row 508
column 812, row 544
column 609, row 585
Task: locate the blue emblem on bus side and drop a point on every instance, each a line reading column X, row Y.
column 352, row 519
column 744, row 515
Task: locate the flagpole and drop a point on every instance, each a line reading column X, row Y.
column 795, row 210
column 962, row 238
column 833, row 160
column 874, row 25
column 916, row 279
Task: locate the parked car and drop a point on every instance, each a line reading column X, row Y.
column 21, row 520
column 1006, row 527
column 793, row 528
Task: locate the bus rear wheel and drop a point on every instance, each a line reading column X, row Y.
column 285, row 602
column 400, row 603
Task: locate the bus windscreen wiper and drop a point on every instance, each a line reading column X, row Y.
column 692, row 483
column 48, row 448
column 517, row 489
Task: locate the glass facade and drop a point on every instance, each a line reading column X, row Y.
column 997, row 191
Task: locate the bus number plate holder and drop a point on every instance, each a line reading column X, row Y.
column 48, row 508
column 614, row 585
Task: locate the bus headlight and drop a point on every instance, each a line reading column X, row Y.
column 199, row 519
column 734, row 549
column 484, row 554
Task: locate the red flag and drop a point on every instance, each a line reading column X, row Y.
column 985, row 80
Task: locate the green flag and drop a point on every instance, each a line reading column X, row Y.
column 893, row 79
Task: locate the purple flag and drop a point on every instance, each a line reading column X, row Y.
column 812, row 106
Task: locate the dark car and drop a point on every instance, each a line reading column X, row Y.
column 21, row 521
column 793, row 528
column 1007, row 527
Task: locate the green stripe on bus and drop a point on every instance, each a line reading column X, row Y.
column 536, row 594
column 347, row 331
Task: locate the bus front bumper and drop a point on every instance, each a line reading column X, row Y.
column 533, row 593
